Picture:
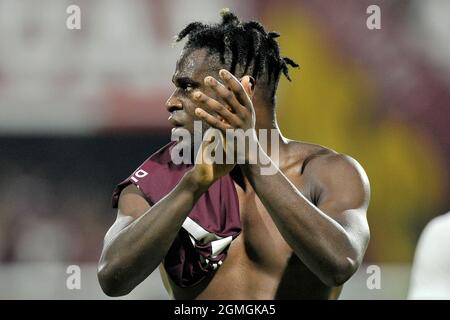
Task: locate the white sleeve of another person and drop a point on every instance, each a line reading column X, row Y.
column 430, row 274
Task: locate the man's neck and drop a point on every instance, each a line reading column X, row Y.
column 265, row 116
column 267, row 120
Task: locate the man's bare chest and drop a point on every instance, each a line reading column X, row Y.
column 260, row 238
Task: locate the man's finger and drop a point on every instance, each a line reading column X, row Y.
column 213, row 106
column 227, row 95
column 236, row 87
column 211, row 120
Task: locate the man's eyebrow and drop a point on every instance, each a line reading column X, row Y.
column 185, row 81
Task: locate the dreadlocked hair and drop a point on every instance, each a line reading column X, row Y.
column 246, row 45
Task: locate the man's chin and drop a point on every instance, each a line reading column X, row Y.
column 179, row 131
column 181, row 137
column 185, row 137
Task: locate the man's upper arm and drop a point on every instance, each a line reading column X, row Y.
column 132, row 205
column 344, row 195
column 132, row 202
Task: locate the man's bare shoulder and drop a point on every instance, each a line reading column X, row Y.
column 301, row 154
column 329, row 170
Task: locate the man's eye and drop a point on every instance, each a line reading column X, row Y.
column 187, row 88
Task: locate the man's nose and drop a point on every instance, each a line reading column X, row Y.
column 173, row 104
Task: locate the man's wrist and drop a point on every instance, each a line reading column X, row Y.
column 257, row 162
column 194, row 183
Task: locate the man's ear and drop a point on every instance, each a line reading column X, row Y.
column 249, row 85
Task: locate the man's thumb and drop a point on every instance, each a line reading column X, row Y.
column 249, row 85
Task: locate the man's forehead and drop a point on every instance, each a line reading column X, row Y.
column 194, row 63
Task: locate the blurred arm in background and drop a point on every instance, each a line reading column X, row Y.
column 430, row 276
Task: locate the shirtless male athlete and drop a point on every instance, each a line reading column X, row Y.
column 226, row 231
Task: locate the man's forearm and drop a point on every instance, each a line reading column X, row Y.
column 139, row 248
column 318, row 240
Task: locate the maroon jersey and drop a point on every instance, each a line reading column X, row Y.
column 202, row 243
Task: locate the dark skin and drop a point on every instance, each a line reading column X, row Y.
column 304, row 228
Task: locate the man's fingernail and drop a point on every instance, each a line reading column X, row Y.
column 197, row 95
column 224, row 74
column 209, row 80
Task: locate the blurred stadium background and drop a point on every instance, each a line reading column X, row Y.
column 81, row 109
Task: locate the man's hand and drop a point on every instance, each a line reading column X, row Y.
column 206, row 170
column 236, row 112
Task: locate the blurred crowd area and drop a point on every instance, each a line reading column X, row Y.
column 81, row 109
column 55, row 194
